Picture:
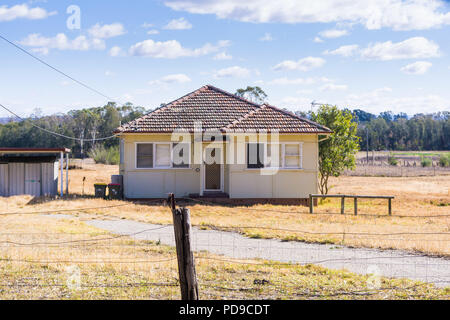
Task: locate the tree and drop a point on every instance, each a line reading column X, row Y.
column 254, row 94
column 337, row 153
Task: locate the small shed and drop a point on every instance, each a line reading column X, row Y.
column 32, row 171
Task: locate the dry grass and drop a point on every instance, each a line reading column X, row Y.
column 424, row 200
column 122, row 268
column 41, row 256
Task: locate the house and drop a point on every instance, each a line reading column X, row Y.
column 32, row 171
column 212, row 143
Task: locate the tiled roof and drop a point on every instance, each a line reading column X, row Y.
column 219, row 110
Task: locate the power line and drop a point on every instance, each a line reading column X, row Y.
column 56, row 69
column 71, row 78
column 56, row 133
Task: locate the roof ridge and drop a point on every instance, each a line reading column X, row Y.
column 293, row 115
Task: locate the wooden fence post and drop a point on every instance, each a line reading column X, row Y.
column 311, row 204
column 185, row 257
column 356, row 206
column 390, row 206
column 343, row 205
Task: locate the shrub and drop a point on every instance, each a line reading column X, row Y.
column 392, row 160
column 425, row 162
column 444, row 160
column 105, row 156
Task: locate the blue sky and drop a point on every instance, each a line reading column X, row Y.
column 374, row 55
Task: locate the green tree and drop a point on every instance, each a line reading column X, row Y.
column 338, row 152
column 254, row 94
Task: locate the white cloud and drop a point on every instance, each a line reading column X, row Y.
column 304, row 64
column 115, row 51
column 152, row 32
column 299, row 81
column 223, row 56
column 232, row 72
column 172, row 49
column 172, row 78
column 107, row 31
column 345, row 51
column 412, row 48
column 333, row 87
column 333, row 33
column 178, row 24
column 22, row 11
column 146, row 25
column 382, row 99
column 266, row 37
column 61, row 42
column 372, row 14
column 419, row 67
column 109, row 73
column 318, row 40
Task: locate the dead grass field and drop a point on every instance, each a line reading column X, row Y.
column 420, row 221
column 45, row 257
column 123, row 268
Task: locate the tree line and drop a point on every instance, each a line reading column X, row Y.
column 389, row 131
column 386, row 131
column 88, row 123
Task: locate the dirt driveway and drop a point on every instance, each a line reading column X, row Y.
column 389, row 263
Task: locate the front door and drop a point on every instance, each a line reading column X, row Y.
column 213, row 171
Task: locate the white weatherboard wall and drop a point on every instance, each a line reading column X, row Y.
column 239, row 182
column 155, row 183
column 286, row 183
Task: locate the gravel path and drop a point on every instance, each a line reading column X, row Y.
column 389, row 263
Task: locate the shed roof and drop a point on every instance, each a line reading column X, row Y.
column 33, row 150
column 217, row 109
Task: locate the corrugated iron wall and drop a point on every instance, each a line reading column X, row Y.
column 16, row 179
column 35, row 179
column 49, row 179
column 4, row 184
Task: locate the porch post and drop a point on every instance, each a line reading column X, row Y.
column 202, row 175
column 61, row 164
column 67, row 173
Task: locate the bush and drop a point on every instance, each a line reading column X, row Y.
column 425, row 162
column 392, row 160
column 105, row 156
column 444, row 160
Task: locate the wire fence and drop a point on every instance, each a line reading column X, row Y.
column 383, row 169
column 142, row 265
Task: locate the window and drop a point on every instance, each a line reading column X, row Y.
column 255, row 155
column 292, row 155
column 181, row 155
column 144, row 155
column 162, row 155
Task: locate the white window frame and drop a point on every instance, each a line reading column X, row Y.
column 154, row 156
column 283, row 155
column 282, row 164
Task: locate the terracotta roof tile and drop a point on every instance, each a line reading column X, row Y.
column 219, row 110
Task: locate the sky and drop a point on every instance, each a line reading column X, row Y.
column 376, row 55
